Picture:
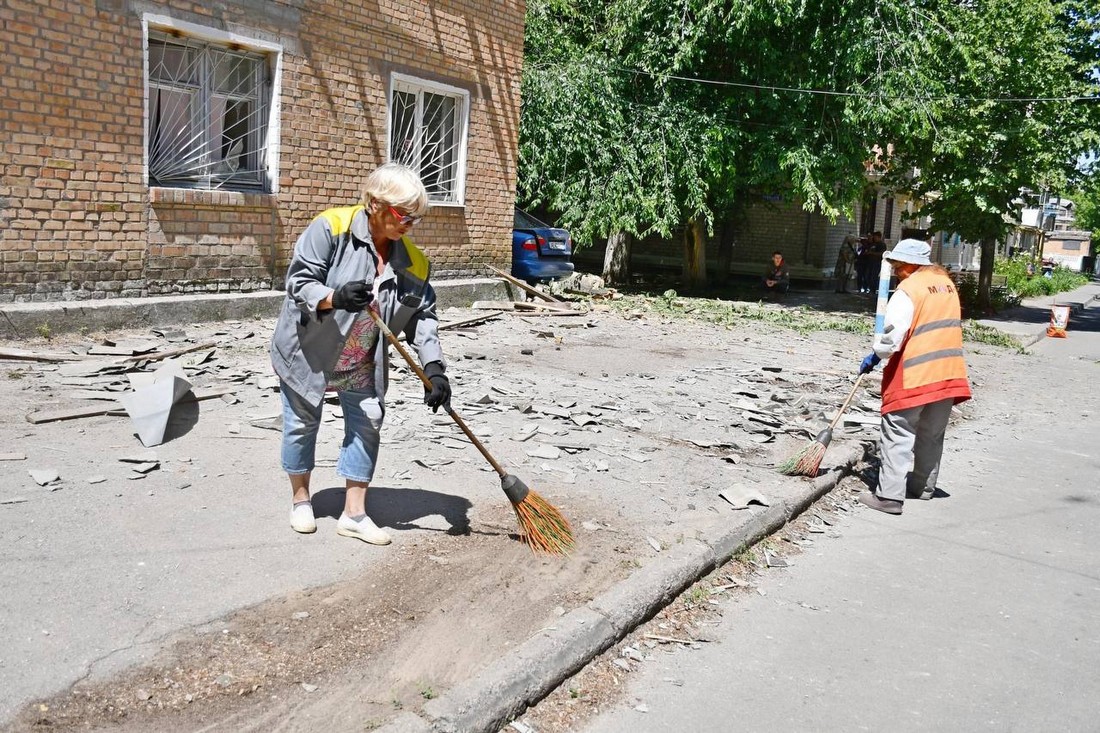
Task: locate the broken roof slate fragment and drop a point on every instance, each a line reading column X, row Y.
column 44, row 476
column 150, row 405
column 740, row 496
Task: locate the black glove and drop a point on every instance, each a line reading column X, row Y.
column 869, row 363
column 440, row 394
column 353, row 296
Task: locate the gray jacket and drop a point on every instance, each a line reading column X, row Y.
column 336, row 248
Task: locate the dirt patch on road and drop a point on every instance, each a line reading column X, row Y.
column 434, row 613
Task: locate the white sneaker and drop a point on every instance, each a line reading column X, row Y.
column 302, row 520
column 364, row 529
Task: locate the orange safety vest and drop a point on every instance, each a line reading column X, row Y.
column 929, row 367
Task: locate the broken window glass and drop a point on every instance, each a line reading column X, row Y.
column 208, row 109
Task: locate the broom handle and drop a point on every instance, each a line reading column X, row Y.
column 428, row 385
column 844, row 407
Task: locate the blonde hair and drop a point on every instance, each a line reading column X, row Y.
column 396, row 185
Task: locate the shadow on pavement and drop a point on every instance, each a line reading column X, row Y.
column 400, row 508
column 184, row 417
column 1085, row 320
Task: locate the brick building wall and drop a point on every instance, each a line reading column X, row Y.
column 78, row 219
column 809, row 241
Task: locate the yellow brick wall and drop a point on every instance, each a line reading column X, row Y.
column 808, row 241
column 77, row 219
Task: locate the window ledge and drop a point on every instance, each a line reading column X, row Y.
column 194, row 196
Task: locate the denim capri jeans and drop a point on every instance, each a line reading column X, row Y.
column 363, row 414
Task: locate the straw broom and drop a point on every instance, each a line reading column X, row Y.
column 543, row 527
column 808, row 460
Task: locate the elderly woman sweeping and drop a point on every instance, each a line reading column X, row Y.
column 348, row 262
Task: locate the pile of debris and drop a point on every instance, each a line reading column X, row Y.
column 143, row 379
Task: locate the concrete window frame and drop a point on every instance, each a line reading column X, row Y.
column 427, row 130
column 211, row 120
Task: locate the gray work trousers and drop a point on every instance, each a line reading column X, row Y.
column 910, row 448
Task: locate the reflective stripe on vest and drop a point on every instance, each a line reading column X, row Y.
column 930, row 365
column 933, row 351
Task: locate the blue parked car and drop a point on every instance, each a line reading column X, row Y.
column 540, row 253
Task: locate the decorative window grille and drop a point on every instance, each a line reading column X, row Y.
column 428, row 134
column 208, row 115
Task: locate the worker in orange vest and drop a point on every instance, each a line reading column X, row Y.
column 924, row 378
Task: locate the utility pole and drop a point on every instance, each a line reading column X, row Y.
column 1040, row 239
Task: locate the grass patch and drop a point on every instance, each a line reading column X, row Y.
column 728, row 314
column 798, row 318
column 978, row 333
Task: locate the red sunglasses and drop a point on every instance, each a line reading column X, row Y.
column 408, row 219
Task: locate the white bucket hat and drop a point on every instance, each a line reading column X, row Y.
column 913, row 251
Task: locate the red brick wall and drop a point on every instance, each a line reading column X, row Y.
column 77, row 219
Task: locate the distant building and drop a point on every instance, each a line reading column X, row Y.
column 1072, row 249
column 1051, row 226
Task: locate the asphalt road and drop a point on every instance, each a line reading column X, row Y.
column 975, row 611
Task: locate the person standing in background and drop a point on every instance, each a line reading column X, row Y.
column 845, row 262
column 873, row 254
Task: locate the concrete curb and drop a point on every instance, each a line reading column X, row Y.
column 488, row 701
column 26, row 320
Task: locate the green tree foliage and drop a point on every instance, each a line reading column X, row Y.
column 1013, row 117
column 1087, row 200
column 649, row 115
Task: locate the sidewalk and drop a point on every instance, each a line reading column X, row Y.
column 1029, row 320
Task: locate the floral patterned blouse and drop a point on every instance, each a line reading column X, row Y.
column 355, row 368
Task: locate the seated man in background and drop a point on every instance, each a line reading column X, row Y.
column 777, row 279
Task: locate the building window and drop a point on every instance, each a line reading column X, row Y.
column 208, row 113
column 869, row 212
column 888, row 219
column 428, row 134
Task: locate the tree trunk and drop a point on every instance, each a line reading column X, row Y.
column 616, row 259
column 725, row 251
column 985, row 274
column 695, row 254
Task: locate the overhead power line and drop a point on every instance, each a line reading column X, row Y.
column 834, row 93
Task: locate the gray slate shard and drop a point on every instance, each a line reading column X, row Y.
column 44, row 476
column 150, row 406
column 740, row 496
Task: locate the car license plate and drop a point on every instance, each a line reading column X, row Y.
column 557, row 245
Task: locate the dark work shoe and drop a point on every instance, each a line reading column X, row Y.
column 888, row 506
column 924, row 495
